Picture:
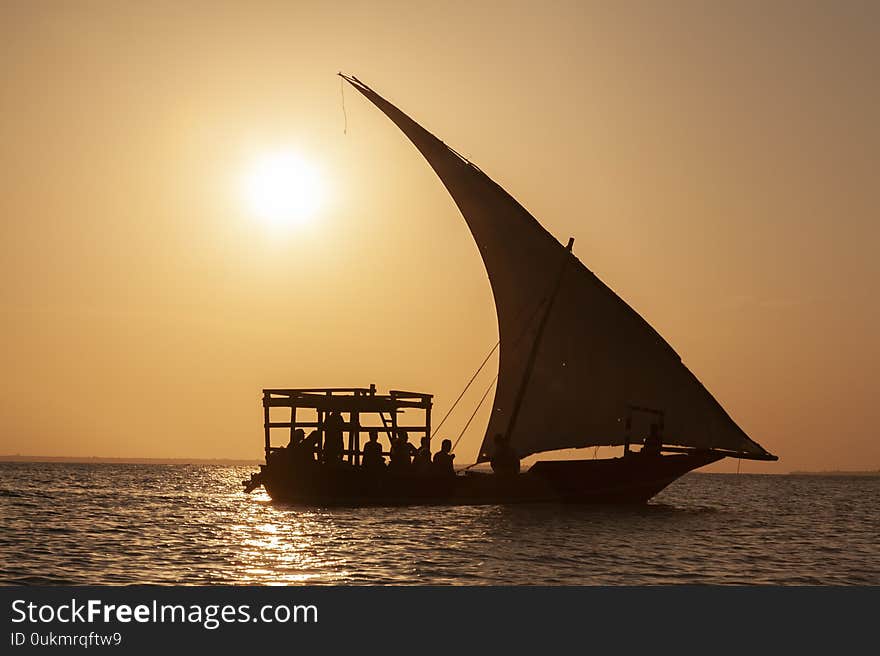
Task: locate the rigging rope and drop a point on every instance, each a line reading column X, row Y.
column 483, row 398
column 515, row 344
column 480, row 368
column 344, row 115
column 466, row 387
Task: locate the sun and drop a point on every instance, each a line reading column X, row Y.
column 282, row 188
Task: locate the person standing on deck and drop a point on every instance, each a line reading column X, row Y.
column 333, row 444
column 311, row 447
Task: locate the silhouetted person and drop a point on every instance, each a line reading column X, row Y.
column 422, row 458
column 505, row 460
column 653, row 442
column 372, row 457
column 443, row 459
column 293, row 446
column 401, row 452
column 333, row 445
column 311, row 447
column 302, row 449
column 296, row 439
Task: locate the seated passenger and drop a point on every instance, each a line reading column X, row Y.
column 292, row 446
column 372, row 457
column 443, row 460
column 505, row 460
column 310, row 449
column 301, row 449
column 422, row 459
column 296, row 439
column 401, row 452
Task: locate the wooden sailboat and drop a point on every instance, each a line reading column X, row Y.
column 578, row 368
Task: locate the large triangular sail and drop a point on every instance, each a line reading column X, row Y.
column 597, row 363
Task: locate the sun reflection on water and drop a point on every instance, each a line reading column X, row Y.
column 193, row 525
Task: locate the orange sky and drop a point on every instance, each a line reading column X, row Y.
column 717, row 166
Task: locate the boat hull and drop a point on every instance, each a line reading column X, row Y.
column 632, row 479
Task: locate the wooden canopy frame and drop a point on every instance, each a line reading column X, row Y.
column 358, row 403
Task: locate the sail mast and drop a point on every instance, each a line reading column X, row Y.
column 533, row 354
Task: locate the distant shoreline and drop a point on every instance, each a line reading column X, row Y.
column 87, row 460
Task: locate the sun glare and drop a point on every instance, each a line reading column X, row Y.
column 282, row 188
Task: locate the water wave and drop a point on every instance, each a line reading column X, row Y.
column 158, row 524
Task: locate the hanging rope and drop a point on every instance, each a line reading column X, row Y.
column 344, row 115
column 485, row 394
column 466, row 387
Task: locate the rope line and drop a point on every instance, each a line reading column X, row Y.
column 480, row 368
column 477, row 409
column 515, row 344
column 466, row 387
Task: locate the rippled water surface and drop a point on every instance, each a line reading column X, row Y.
column 123, row 524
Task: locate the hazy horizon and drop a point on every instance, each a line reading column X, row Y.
column 716, row 164
column 124, row 460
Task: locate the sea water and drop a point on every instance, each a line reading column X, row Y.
column 191, row 524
